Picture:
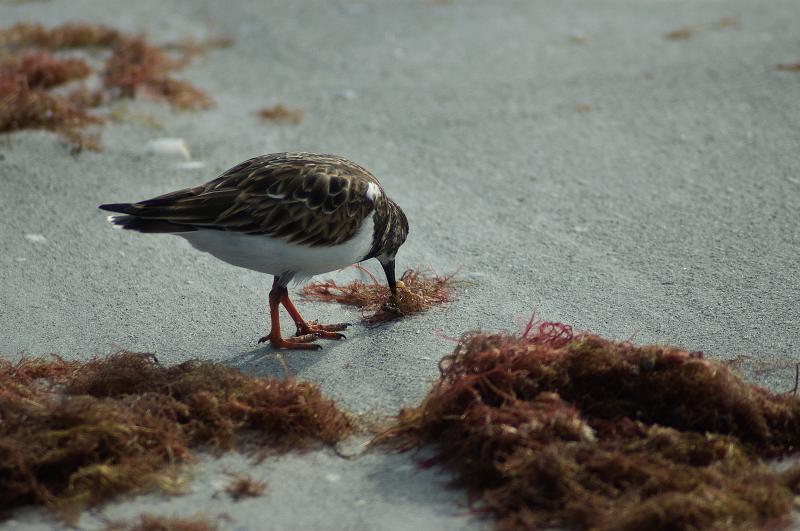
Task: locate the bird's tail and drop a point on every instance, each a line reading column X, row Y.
column 122, row 208
column 130, row 221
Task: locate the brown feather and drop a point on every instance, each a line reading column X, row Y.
column 316, row 200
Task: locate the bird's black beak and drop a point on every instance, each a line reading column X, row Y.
column 388, row 268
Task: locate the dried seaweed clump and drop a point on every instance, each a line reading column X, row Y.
column 683, row 33
column 281, row 113
column 70, row 35
column 74, row 434
column 29, row 71
column 40, row 70
column 135, row 63
column 416, row 292
column 24, row 108
column 245, row 487
column 149, row 522
column 688, row 32
column 26, row 103
column 548, row 429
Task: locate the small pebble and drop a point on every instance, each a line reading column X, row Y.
column 36, row 238
column 346, row 94
column 168, row 146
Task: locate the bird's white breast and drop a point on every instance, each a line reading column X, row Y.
column 276, row 256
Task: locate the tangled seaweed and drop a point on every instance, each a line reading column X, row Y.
column 22, row 107
column 133, row 65
column 137, row 64
column 74, row 434
column 25, row 102
column 280, row 113
column 70, row 35
column 416, row 292
column 149, row 522
column 550, row 429
column 244, row 486
column 40, row 70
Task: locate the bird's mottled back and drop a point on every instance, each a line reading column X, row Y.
column 303, row 198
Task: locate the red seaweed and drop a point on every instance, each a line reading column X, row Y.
column 554, row 429
column 417, row 291
column 74, row 434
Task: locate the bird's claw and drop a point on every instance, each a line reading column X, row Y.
column 322, row 331
column 319, row 334
column 336, row 327
column 330, row 335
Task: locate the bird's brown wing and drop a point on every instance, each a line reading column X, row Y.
column 315, row 200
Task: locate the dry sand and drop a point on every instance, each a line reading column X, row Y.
column 565, row 155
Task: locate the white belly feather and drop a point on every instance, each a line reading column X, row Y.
column 275, row 256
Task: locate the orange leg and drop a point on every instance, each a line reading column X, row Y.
column 324, row 331
column 301, row 342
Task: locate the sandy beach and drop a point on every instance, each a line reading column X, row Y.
column 566, row 158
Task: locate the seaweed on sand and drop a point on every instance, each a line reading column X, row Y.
column 132, row 64
column 417, row 291
column 25, row 102
column 40, row 70
column 244, row 486
column 74, row 434
column 70, row 35
column 23, row 107
column 135, row 63
column 149, row 522
column 280, row 113
column 551, row 429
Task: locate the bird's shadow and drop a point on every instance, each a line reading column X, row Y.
column 268, row 361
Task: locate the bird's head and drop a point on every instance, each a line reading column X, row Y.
column 395, row 237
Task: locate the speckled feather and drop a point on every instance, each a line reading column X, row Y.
column 302, row 198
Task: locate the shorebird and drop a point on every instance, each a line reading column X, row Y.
column 291, row 215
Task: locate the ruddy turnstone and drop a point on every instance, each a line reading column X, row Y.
column 292, row 215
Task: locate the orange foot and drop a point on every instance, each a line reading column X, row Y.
column 307, row 332
column 322, row 331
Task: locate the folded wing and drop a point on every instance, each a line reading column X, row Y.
column 306, row 199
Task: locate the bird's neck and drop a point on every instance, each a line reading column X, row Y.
column 390, row 227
